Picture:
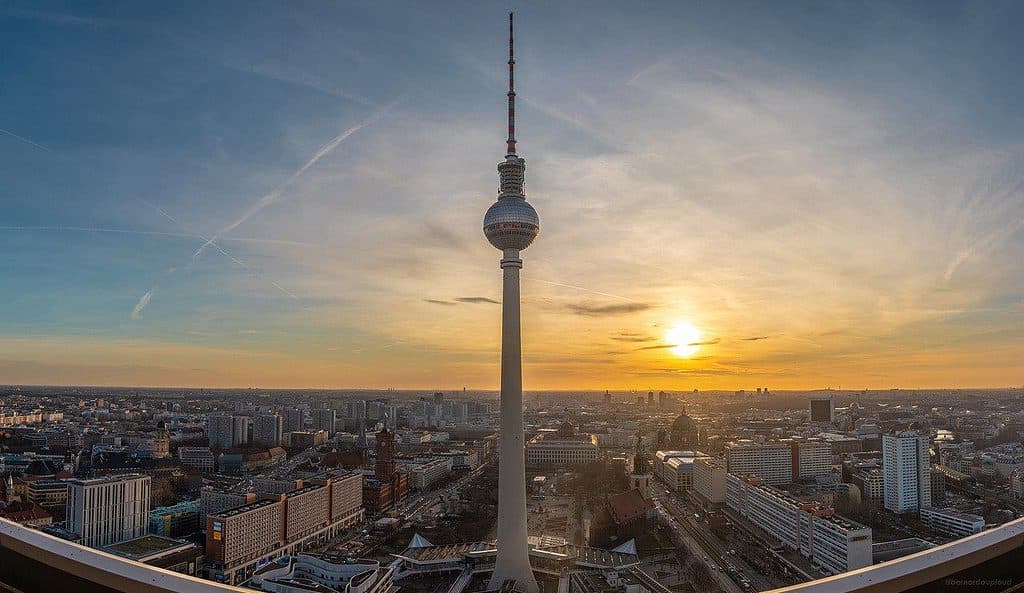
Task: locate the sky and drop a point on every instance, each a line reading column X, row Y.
column 290, row 194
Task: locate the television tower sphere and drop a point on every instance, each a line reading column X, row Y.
column 511, row 223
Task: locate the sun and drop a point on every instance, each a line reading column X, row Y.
column 685, row 338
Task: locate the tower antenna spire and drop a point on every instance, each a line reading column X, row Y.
column 511, row 89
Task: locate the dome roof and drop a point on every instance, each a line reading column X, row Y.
column 683, row 422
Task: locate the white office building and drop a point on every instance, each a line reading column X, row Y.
column 709, row 479
column 907, row 471
column 104, row 511
column 676, row 471
column 425, row 475
column 952, row 522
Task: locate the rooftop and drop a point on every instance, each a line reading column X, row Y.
column 147, row 545
column 106, row 479
column 245, row 508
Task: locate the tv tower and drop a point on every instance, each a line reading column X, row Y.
column 511, row 224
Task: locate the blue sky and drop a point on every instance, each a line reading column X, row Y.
column 840, row 179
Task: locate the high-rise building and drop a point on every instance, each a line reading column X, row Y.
column 240, row 426
column 218, row 430
column 267, row 430
column 822, row 409
column 511, row 224
column 324, row 419
column 226, row 431
column 355, row 408
column 906, row 467
column 103, row 511
column 294, row 420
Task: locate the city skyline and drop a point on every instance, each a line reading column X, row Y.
column 786, row 198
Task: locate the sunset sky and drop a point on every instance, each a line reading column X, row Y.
column 810, row 194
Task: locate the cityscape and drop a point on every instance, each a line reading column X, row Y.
column 712, row 491
column 615, row 440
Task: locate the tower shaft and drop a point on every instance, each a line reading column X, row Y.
column 511, row 224
column 513, row 560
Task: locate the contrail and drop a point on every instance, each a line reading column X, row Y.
column 88, row 229
column 25, row 140
column 220, row 249
column 279, row 190
column 614, row 296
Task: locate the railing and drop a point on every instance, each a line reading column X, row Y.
column 34, row 561
column 31, row 560
column 987, row 561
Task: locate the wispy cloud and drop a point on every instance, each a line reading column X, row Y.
column 141, row 304
column 631, row 337
column 603, row 310
column 755, row 338
column 982, row 245
column 478, row 300
column 658, row 347
column 440, row 302
column 705, row 342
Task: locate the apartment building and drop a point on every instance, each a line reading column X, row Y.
column 237, row 536
column 779, row 462
column 906, row 467
column 831, row 542
column 281, row 524
column 307, row 511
